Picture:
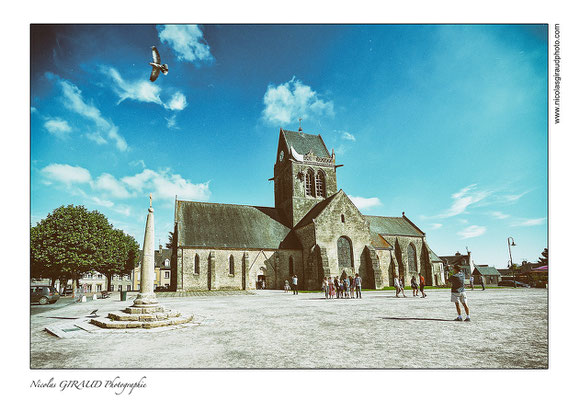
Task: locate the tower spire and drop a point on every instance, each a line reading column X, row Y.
column 299, row 124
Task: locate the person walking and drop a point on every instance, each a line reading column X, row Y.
column 325, row 287
column 398, row 287
column 286, row 286
column 414, row 286
column 458, row 293
column 422, row 286
column 358, row 285
column 295, row 284
column 403, row 286
column 482, row 282
column 471, row 282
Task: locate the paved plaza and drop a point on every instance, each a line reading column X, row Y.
column 273, row 329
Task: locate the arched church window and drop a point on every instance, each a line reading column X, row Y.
column 320, row 185
column 196, row 265
column 231, row 265
column 309, row 183
column 412, row 258
column 344, row 247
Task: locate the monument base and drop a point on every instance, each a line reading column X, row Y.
column 141, row 317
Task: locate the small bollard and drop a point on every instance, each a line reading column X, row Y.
column 84, row 299
column 94, row 297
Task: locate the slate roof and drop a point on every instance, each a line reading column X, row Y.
column 455, row 260
column 379, row 242
column 303, row 143
column 433, row 256
column 159, row 257
column 395, row 226
column 315, row 211
column 486, row 271
column 215, row 225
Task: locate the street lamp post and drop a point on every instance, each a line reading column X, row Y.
column 511, row 262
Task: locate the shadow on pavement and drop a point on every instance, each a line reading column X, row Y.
column 418, row 319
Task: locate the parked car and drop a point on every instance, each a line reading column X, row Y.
column 43, row 294
column 511, row 283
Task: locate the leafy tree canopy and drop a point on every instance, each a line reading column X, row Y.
column 72, row 241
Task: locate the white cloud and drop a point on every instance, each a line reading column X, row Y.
column 178, row 102
column 292, row 100
column 96, row 137
column 66, row 174
column 57, row 127
column 172, row 122
column 187, row 42
column 140, row 163
column 140, row 90
column 109, row 184
column 499, row 215
column 436, row 226
column 143, row 91
column 529, row 222
column 165, row 185
column 512, row 198
column 472, row 231
column 74, row 101
column 348, row 136
column 138, row 181
column 464, row 198
column 363, row 203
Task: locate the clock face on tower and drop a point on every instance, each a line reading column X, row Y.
column 281, row 156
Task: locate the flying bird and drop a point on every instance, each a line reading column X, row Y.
column 157, row 66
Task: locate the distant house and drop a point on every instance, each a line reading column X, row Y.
column 438, row 268
column 162, row 269
column 463, row 260
column 489, row 275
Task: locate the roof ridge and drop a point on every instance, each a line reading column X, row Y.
column 225, row 204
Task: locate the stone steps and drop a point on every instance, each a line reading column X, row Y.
column 105, row 322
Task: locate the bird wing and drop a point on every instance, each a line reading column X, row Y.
column 154, row 74
column 156, row 56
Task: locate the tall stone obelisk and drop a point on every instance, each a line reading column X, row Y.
column 146, row 296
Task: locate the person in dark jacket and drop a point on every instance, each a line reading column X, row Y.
column 458, row 293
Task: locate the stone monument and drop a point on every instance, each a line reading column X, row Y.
column 146, row 312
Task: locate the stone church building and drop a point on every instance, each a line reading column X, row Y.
column 314, row 230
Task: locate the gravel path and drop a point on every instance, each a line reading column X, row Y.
column 272, row 329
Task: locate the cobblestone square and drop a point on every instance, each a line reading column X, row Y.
column 273, row 329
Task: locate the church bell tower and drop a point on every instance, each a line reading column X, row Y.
column 304, row 174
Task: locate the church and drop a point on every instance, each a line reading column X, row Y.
column 314, row 230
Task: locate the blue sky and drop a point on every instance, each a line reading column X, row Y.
column 445, row 122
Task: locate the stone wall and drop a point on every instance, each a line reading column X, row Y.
column 325, row 232
column 403, row 243
column 214, row 268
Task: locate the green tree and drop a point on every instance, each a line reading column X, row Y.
column 72, row 241
column 544, row 258
column 169, row 244
column 120, row 255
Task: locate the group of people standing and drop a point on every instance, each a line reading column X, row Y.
column 342, row 288
column 400, row 286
